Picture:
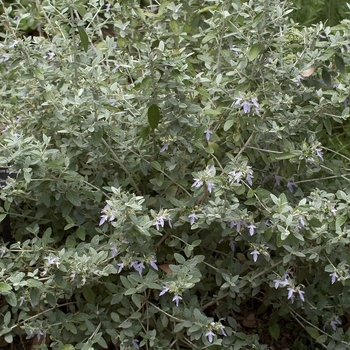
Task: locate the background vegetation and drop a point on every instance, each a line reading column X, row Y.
column 182, row 175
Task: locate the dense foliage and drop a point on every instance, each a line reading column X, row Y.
column 177, row 182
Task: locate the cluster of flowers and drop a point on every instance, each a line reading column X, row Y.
column 287, row 281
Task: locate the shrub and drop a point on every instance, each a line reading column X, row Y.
column 176, row 185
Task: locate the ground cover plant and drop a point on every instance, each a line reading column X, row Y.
column 181, row 181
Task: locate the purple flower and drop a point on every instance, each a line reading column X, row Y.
column 164, row 290
column 138, row 266
column 177, row 299
column 301, row 220
column 251, row 229
column 334, row 276
column 210, row 185
column 153, row 263
column 249, row 178
column 210, row 335
column 232, row 245
column 197, row 183
column 301, row 295
column 207, row 134
column 21, row 300
column 13, row 44
column 108, row 7
column 291, row 292
column 159, row 222
column 222, row 329
column 164, row 148
column 193, row 217
column 53, row 260
column 277, row 180
column 106, row 215
column 336, row 321
column 114, row 251
column 246, row 106
column 284, row 282
column 255, row 254
column 135, row 342
column 120, row 267
column 319, row 154
column 290, row 186
column 238, row 224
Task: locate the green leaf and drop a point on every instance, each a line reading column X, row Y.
column 67, row 347
column 326, row 77
column 275, row 331
column 313, row 332
column 89, row 295
column 84, row 38
column 228, row 124
column 4, row 288
column 80, row 232
column 179, row 258
column 73, row 197
column 34, row 296
column 153, row 115
column 284, row 232
column 156, row 165
column 254, row 52
column 339, row 63
column 11, row 299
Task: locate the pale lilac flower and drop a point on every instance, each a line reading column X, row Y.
column 159, row 222
column 282, row 283
column 238, row 224
column 336, row 321
column 251, row 229
column 255, row 254
column 164, row 290
column 193, row 217
column 290, row 185
column 114, row 251
column 164, row 147
column 53, row 260
column 210, row 185
column 138, row 266
column 291, row 292
column 207, row 134
column 108, row 7
column 6, row 128
column 106, row 215
column 21, row 300
column 153, row 263
column 249, row 178
column 277, row 180
column 197, row 183
column 334, row 276
column 222, row 329
column 246, row 106
column 233, row 175
column 319, row 154
column 301, row 220
column 115, row 68
column 13, row 44
column 120, row 267
column 177, row 299
column 40, row 334
column 135, row 342
column 210, row 335
column 51, row 55
column 301, row 295
column 256, row 103
column 232, row 245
